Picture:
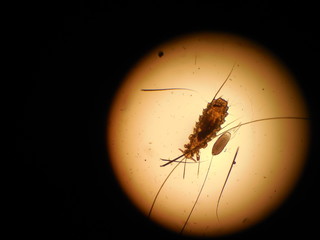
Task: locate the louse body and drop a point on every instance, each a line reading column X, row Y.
column 206, row 128
column 213, row 116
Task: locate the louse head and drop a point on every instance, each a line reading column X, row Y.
column 220, row 102
column 218, row 106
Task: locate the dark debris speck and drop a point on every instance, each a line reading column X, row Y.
column 160, row 54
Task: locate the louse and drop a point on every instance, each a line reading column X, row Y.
column 206, row 129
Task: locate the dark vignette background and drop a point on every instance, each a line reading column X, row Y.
column 74, row 55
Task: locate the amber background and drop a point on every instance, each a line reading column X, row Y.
column 72, row 55
column 146, row 126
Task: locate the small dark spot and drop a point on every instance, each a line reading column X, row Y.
column 145, row 160
column 160, row 53
column 262, row 89
column 264, row 177
column 244, row 220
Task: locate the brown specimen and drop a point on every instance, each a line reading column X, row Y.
column 205, row 130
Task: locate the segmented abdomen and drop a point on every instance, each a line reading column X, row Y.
column 207, row 127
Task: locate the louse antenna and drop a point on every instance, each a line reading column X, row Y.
column 225, row 182
column 224, row 82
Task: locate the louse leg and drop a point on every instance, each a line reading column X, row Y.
column 225, row 182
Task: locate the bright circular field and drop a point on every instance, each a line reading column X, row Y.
column 145, row 126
